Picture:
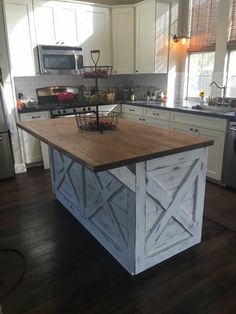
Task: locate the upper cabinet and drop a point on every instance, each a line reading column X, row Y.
column 162, row 37
column 21, row 38
column 123, row 40
column 137, row 35
column 95, row 33
column 55, row 22
column 145, row 36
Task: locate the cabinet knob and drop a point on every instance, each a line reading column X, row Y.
column 196, row 130
column 191, row 129
column 115, row 71
column 136, row 71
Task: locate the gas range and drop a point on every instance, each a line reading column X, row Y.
column 61, row 109
column 62, row 100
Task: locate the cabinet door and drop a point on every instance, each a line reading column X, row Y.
column 21, row 37
column 145, row 36
column 44, row 13
column 56, row 22
column 95, row 33
column 216, row 152
column 66, row 23
column 162, row 37
column 31, row 145
column 123, row 40
column 157, row 122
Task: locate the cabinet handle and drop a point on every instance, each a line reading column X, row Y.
column 131, row 109
column 36, row 117
column 155, row 114
column 62, row 42
column 57, row 42
column 1, row 138
column 196, row 130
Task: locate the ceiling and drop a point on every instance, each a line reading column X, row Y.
column 110, row 2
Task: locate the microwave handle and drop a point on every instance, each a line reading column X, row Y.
column 76, row 64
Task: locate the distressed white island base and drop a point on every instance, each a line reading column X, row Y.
column 143, row 213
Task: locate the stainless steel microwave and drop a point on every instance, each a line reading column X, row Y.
column 54, row 59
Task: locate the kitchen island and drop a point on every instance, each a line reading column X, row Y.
column 138, row 189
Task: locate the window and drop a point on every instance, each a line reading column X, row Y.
column 200, row 73
column 204, row 18
column 231, row 75
column 231, row 82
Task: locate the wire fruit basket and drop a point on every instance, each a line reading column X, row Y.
column 102, row 121
column 99, row 71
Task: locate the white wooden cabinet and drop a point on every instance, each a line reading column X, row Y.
column 150, row 116
column 123, row 40
column 33, row 151
column 56, row 22
column 162, row 37
column 95, row 33
column 212, row 128
column 21, row 36
column 145, row 37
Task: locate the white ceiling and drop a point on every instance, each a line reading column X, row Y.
column 110, row 2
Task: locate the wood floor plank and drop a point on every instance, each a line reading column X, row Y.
column 69, row 272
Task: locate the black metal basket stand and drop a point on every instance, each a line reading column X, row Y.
column 83, row 119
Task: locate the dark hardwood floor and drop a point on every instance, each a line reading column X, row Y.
column 68, row 271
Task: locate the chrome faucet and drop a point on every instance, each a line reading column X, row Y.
column 220, row 87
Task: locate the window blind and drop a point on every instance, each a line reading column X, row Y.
column 205, row 14
column 232, row 35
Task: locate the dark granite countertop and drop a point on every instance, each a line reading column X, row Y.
column 178, row 106
column 184, row 107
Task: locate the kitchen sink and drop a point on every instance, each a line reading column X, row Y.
column 146, row 103
column 214, row 108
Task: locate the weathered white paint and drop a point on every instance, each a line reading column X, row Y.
column 141, row 218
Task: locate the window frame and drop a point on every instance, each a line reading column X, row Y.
column 187, row 97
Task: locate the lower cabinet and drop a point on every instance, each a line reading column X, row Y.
column 34, row 151
column 213, row 128
column 150, row 116
column 216, row 151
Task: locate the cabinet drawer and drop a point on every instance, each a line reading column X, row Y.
column 200, row 121
column 132, row 109
column 33, row 116
column 157, row 114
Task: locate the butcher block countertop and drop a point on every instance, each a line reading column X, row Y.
column 130, row 143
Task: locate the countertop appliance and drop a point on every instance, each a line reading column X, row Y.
column 55, row 59
column 62, row 100
column 230, row 158
column 6, row 155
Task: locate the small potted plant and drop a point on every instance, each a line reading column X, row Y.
column 202, row 96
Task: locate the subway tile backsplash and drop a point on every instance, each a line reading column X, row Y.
column 28, row 84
